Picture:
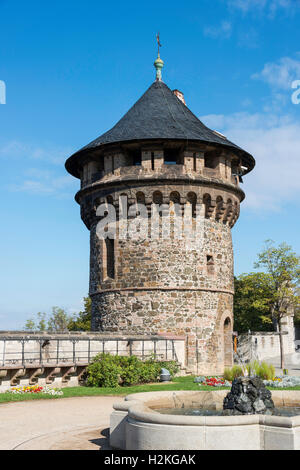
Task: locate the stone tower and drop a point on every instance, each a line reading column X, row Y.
column 161, row 153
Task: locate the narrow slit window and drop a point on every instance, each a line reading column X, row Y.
column 109, row 258
column 113, row 164
column 210, row 264
column 194, row 162
column 152, row 160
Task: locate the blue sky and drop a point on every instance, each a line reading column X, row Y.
column 73, row 68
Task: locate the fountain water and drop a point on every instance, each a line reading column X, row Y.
column 248, row 396
column 245, row 352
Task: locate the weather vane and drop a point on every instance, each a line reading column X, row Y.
column 158, row 63
column 158, row 43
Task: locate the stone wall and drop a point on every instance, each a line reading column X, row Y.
column 264, row 345
column 167, row 287
column 119, row 161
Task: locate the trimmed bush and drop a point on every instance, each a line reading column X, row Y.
column 104, row 371
column 107, row 370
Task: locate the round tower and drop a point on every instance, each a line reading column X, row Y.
column 160, row 156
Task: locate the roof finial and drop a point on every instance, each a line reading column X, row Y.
column 158, row 64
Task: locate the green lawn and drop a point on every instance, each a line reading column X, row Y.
column 179, row 383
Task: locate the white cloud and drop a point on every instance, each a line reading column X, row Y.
column 269, row 6
column 274, row 141
column 244, row 120
column 280, row 75
column 45, row 183
column 246, row 5
column 47, row 153
column 223, row 31
column 48, row 177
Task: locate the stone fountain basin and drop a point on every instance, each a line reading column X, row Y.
column 135, row 425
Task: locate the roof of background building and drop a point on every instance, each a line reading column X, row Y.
column 159, row 114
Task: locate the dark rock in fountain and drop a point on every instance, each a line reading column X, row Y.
column 248, row 395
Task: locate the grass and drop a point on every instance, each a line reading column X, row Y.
column 179, row 383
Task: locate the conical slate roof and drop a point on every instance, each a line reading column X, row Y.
column 159, row 114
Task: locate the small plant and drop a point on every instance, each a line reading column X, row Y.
column 233, row 373
column 266, row 371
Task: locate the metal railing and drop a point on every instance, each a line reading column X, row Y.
column 51, row 352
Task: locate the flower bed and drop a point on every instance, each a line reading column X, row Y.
column 36, row 389
column 280, row 381
column 212, row 381
column 283, row 381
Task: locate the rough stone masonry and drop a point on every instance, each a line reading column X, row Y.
column 160, row 154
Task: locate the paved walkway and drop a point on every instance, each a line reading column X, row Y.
column 68, row 423
column 292, row 363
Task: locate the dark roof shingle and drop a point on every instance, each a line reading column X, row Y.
column 158, row 114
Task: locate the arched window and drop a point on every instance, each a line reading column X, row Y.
column 140, row 197
column 192, row 200
column 157, row 197
column 175, row 197
column 229, row 211
column 207, row 203
column 220, row 209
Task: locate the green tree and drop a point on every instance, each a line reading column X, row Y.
column 37, row 325
column 41, row 326
column 283, row 268
column 83, row 320
column 59, row 320
column 30, row 325
column 297, row 311
column 252, row 303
